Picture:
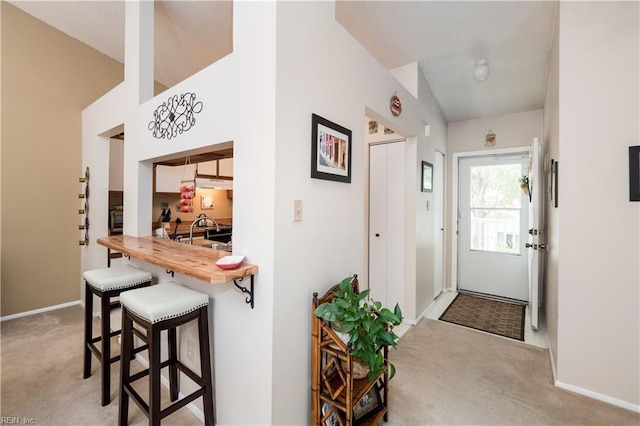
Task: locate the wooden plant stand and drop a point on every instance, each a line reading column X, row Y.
column 337, row 398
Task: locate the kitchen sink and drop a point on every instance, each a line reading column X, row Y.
column 223, row 247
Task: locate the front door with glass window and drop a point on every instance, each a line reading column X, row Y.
column 492, row 226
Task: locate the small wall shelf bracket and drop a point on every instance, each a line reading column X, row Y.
column 168, row 271
column 249, row 298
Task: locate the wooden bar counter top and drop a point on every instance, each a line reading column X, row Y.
column 191, row 260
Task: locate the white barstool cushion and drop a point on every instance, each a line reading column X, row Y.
column 163, row 301
column 118, row 277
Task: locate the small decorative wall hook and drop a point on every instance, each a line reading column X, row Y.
column 490, row 139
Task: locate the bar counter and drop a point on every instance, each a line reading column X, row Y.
column 191, row 260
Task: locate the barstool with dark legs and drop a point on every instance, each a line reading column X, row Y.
column 106, row 283
column 164, row 306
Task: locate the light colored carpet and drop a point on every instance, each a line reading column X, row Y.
column 41, row 375
column 447, row 375
column 450, row 375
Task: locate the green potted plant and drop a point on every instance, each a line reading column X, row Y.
column 368, row 324
column 524, row 184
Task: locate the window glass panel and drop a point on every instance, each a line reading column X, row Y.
column 496, row 186
column 495, row 230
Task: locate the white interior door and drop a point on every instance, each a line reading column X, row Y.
column 536, row 246
column 386, row 222
column 378, row 223
column 438, row 212
column 492, row 226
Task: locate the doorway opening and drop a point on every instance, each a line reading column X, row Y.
column 492, row 216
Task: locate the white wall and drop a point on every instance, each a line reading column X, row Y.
column 552, row 215
column 341, row 85
column 598, row 276
column 242, row 337
column 425, row 226
column 511, row 130
column 408, row 76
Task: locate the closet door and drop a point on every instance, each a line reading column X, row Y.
column 386, row 222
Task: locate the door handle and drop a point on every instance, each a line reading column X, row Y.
column 536, row 246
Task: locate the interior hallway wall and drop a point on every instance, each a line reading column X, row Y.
column 551, row 141
column 598, row 276
column 47, row 79
column 330, row 241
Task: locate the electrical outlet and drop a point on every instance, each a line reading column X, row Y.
column 190, row 345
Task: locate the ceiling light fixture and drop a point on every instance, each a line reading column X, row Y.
column 482, row 70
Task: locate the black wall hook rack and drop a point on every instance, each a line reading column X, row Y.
column 249, row 298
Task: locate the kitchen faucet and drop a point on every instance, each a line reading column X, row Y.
column 198, row 220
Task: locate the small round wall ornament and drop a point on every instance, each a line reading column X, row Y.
column 490, row 139
column 395, row 106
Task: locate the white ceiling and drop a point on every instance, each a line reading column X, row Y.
column 446, row 38
column 188, row 35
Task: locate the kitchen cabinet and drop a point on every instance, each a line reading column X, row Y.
column 225, row 167
column 168, row 179
column 116, row 164
column 218, row 168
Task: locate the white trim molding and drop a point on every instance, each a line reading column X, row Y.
column 598, row 396
column 426, row 311
column 39, row 311
column 553, row 364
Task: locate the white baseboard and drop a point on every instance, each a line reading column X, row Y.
column 39, row 311
column 586, row 392
column 165, row 382
column 598, row 396
column 553, row 364
column 422, row 315
column 426, row 311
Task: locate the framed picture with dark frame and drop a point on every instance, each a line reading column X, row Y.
column 330, row 150
column 634, row 173
column 368, row 405
column 427, row 177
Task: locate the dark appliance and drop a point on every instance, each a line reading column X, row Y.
column 115, row 221
column 223, row 235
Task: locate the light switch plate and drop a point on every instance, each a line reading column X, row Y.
column 297, row 210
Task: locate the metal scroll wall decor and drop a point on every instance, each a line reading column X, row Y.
column 85, row 210
column 175, row 116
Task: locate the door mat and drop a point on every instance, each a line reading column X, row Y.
column 493, row 316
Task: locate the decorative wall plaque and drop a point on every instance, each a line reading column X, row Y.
column 175, row 116
column 395, row 106
column 490, row 139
